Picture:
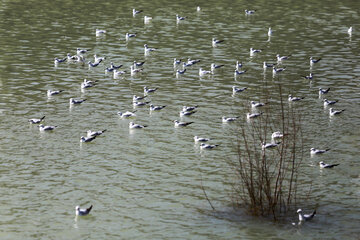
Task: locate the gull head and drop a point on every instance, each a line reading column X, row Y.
column 299, row 210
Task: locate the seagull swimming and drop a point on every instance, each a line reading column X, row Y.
column 133, row 125
column 115, row 66
column 276, row 135
column 137, row 104
column 127, row 114
column 333, row 112
column 138, row 64
column 325, row 165
column 201, row 139
column 215, row 42
column 257, row 104
column 268, row 65
column 98, row 59
column 87, row 139
column 310, row 76
column 238, row 65
column 313, row 60
column 99, row 32
column 350, row 30
column 237, row 72
column 269, row 145
column 253, row 51
column 186, row 113
column 80, row 51
column 203, row 72
column 149, row 90
column 228, row 119
column 134, row 11
column 57, row 60
column 82, row 211
column 36, row 120
column 129, row 35
column 323, row 91
column 213, row 66
column 46, row 128
column 189, row 108
column 156, row 108
column 76, row 101
column 198, row 9
column 305, row 217
column 180, row 72
column 176, row 62
column 208, row 146
column 177, row 123
column 253, row 115
column 147, row 19
column 133, row 70
column 294, row 99
column 328, row 102
column 137, row 98
column 249, row 12
column 277, row 70
column 53, row 92
column 318, row 151
column 179, row 18
column 269, row 33
column 281, row 58
column 118, row 73
column 237, row 89
column 95, row 133
column 148, row 49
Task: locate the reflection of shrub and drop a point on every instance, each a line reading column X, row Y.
column 266, row 179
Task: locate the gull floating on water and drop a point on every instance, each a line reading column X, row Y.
column 147, row 19
column 268, row 65
column 189, row 108
column 95, row 133
column 76, row 101
column 201, row 139
column 156, row 108
column 127, row 114
column 310, row 76
column 208, row 146
column 237, row 72
column 294, row 99
column 53, row 92
column 198, row 9
column 80, row 51
column 253, row 115
column 318, row 151
column 87, row 139
column 313, row 60
column 323, row 91
column 98, row 59
column 137, row 104
column 46, row 128
column 57, row 60
column 253, row 51
column 133, row 125
column 129, row 35
column 82, row 211
column 269, row 33
column 215, row 42
column 276, row 135
column 138, row 64
column 277, row 70
column 228, row 119
column 249, row 12
column 149, row 90
column 134, row 70
column 237, row 89
column 328, row 102
column 281, row 58
column 176, row 62
column 179, row 18
column 134, row 11
column 118, row 73
column 148, row 49
column 203, row 72
column 350, row 30
column 213, row 66
column 238, row 65
column 333, row 112
column 257, row 104
column 305, row 217
column 137, row 98
column 99, row 32
column 180, row 72
column 186, row 113
column 115, row 66
column 324, row 165
column 36, row 120
column 269, row 145
column 177, row 123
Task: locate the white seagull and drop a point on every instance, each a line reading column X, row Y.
column 323, row 91
column 313, row 60
column 179, row 18
column 305, row 217
column 257, row 104
column 237, row 89
column 189, row 108
column 148, row 49
column 137, row 104
column 57, row 60
column 228, row 119
column 133, row 125
column 294, row 99
column 134, row 71
column 281, row 58
column 186, row 113
column 277, row 135
column 76, row 101
column 137, row 98
column 203, row 72
column 147, row 19
column 253, row 115
column 98, row 59
column 269, row 145
column 318, row 151
column 277, row 70
column 127, row 114
column 99, row 32
column 310, row 76
column 238, row 65
column 215, row 42
column 134, row 11
column 129, row 35
column 95, row 133
column 268, row 65
column 118, row 73
column 149, row 90
column 208, row 146
column 325, row 165
column 53, row 92
column 201, row 139
column 156, row 108
column 80, row 51
column 249, row 12
column 350, row 30
column 36, row 120
column 82, row 211
column 177, row 123
column 87, row 139
column 46, row 128
column 237, row 72
column 333, row 112
column 253, row 51
column 213, row 66
column 269, row 33
column 329, row 102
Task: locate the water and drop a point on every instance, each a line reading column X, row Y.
column 147, row 183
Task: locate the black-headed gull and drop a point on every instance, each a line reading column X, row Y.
column 237, row 72
column 278, row 69
column 269, row 145
column 99, row 32
column 46, row 128
column 138, row 64
column 95, row 64
column 214, row 66
column 176, row 62
column 186, row 113
column 253, row 115
column 268, row 65
column 148, row 49
column 208, row 146
column 179, row 18
column 237, row 89
column 215, row 42
column 57, row 60
column 109, row 69
column 329, row 102
column 82, row 211
column 201, row 139
column 253, row 51
column 305, row 217
column 113, row 66
column 313, row 60
column 80, row 51
column 249, row 12
column 281, row 58
column 134, row 11
column 118, row 73
column 127, row 114
column 98, row 59
column 225, row 119
column 257, row 104
column 133, row 125
column 238, row 65
column 177, row 123
column 323, row 91
column 325, row 165
column 87, row 139
column 318, row 151
column 149, row 90
column 156, row 108
column 333, row 112
column 95, row 133
column 129, row 35
column 137, row 98
column 76, row 101
column 36, row 120
column 189, row 108
column 134, row 70
column 70, row 58
column 204, row 72
column 294, row 99
column 310, row 76
column 137, row 104
column 53, row 92
column 180, row 72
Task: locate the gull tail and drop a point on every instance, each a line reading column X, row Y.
column 89, row 209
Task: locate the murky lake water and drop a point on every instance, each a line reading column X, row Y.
column 147, row 183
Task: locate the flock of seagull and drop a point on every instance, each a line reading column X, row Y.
column 180, row 69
